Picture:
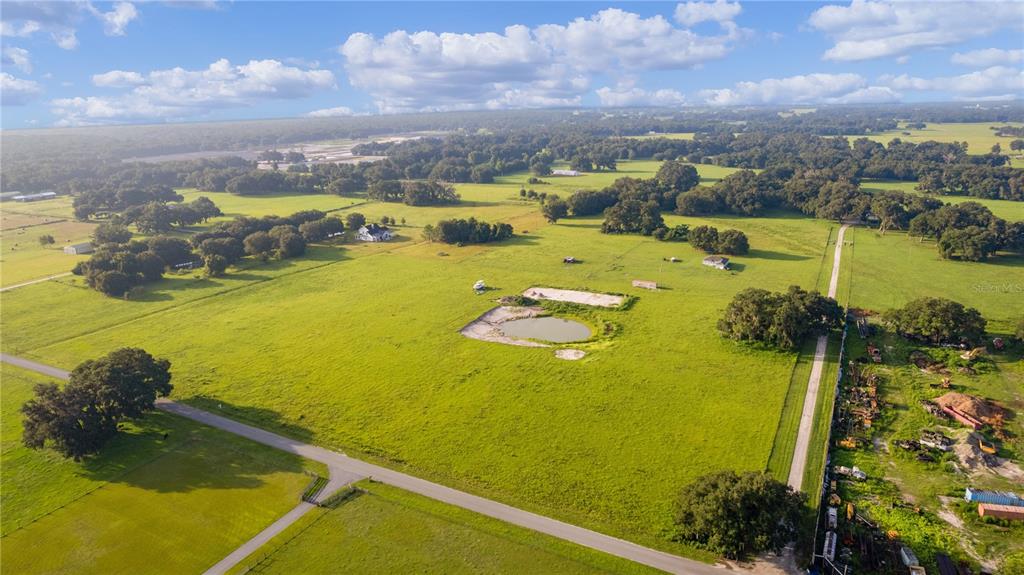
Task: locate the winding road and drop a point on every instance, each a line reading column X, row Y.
column 344, row 470
column 803, row 438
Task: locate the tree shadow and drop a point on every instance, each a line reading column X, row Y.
column 737, row 267
column 181, row 456
column 778, row 256
column 256, row 416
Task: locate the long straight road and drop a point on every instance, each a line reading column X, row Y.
column 345, row 469
column 803, row 437
column 35, row 281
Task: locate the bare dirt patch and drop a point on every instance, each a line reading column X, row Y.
column 486, row 327
column 570, row 354
column 975, row 460
column 573, row 296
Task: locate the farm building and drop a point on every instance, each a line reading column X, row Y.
column 374, row 233
column 4, row 196
column 1012, row 512
column 718, row 262
column 79, row 249
column 35, row 197
column 994, row 497
column 565, row 173
column 645, row 284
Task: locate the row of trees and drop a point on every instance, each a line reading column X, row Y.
column 462, row 231
column 120, row 263
column 413, row 193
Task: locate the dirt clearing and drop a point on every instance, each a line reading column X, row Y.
column 485, row 327
column 573, row 296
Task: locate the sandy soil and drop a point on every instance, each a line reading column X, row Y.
column 570, row 354
column 973, row 459
column 485, row 327
column 573, row 296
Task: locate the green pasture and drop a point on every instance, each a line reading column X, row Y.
column 1008, row 210
column 357, row 347
column 387, row 530
column 979, row 136
column 167, row 496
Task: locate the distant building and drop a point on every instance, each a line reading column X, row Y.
column 35, row 197
column 564, row 173
column 79, row 249
column 718, row 262
column 374, row 233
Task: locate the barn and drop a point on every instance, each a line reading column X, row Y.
column 79, row 249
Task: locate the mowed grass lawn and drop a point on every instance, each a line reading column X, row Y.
column 386, row 530
column 359, row 350
column 147, row 504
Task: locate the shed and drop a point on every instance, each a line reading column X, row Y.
column 645, row 284
column 79, row 249
column 994, row 497
column 565, row 173
column 1011, row 512
column 718, row 262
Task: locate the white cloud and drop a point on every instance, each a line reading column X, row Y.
column 17, row 57
column 61, row 19
column 869, row 29
column 118, row 79
column 17, row 91
column 691, row 13
column 178, row 93
column 115, row 21
column 548, row 65
column 805, row 89
column 626, row 94
column 996, row 82
column 331, row 112
column 988, row 57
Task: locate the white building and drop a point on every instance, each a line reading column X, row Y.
column 718, row 262
column 374, row 233
column 79, row 249
column 564, row 173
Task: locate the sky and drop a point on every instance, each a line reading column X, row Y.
column 99, row 63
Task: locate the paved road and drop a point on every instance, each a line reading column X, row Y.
column 344, row 469
column 36, row 281
column 803, row 437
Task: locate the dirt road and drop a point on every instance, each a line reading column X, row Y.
column 803, row 438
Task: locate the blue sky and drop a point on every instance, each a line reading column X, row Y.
column 81, row 63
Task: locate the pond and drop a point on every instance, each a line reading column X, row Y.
column 551, row 329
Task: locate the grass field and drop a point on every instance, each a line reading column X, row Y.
column 605, row 442
column 1006, row 209
column 168, row 496
column 669, row 135
column 386, row 530
column 979, row 136
column 22, row 258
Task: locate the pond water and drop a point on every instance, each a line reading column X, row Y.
column 552, row 329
